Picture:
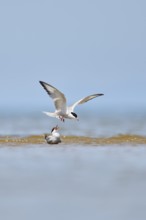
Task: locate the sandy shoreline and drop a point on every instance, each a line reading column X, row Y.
column 39, row 139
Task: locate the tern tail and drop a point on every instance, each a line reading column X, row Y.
column 51, row 114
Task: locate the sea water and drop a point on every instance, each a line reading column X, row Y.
column 73, row 181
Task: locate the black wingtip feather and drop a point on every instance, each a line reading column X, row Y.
column 41, row 82
column 43, row 85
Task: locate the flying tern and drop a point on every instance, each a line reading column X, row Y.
column 62, row 110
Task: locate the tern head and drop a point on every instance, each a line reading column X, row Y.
column 74, row 115
column 55, row 128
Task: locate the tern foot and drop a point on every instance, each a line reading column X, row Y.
column 62, row 119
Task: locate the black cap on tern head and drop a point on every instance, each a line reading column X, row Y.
column 56, row 127
column 74, row 114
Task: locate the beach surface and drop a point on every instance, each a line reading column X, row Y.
column 95, row 173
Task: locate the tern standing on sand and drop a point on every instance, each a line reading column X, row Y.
column 54, row 137
column 62, row 110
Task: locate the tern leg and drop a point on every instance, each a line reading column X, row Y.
column 61, row 118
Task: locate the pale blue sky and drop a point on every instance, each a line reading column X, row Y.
column 81, row 47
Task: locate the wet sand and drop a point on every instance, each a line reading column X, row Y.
column 105, row 141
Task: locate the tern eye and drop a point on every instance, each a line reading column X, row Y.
column 74, row 114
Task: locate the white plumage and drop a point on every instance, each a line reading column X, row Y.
column 54, row 137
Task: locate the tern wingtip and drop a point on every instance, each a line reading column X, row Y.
column 41, row 82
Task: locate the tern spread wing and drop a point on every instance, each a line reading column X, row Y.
column 81, row 101
column 58, row 97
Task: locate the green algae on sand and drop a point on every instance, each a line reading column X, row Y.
column 39, row 139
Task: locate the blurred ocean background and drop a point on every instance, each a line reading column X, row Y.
column 73, row 181
column 97, row 121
